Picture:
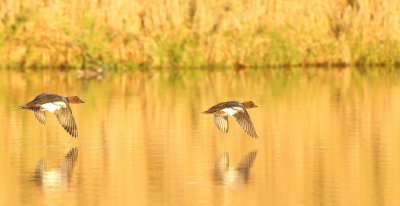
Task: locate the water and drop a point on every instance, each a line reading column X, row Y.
column 326, row 137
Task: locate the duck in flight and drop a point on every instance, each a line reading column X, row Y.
column 234, row 109
column 59, row 106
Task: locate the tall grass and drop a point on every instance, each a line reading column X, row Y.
column 162, row 33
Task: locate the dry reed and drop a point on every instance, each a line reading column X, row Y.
column 163, row 33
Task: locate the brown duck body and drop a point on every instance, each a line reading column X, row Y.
column 58, row 105
column 235, row 109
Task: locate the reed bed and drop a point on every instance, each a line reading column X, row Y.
column 198, row 33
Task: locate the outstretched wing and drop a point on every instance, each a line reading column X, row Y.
column 243, row 118
column 221, row 120
column 67, row 121
column 40, row 115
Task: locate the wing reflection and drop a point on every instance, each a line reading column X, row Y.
column 56, row 177
column 227, row 175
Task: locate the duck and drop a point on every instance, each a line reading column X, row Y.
column 59, row 106
column 87, row 72
column 96, row 72
column 237, row 110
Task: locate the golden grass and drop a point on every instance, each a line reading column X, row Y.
column 199, row 33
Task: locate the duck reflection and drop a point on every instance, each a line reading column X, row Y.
column 58, row 177
column 228, row 175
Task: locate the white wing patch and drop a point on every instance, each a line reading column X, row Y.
column 233, row 110
column 52, row 107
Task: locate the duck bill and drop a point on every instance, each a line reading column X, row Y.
column 81, row 101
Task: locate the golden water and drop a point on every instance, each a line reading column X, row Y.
column 326, row 137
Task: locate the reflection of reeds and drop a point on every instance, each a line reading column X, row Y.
column 198, row 33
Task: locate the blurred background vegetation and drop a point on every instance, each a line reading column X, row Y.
column 122, row 34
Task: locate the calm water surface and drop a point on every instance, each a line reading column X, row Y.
column 326, row 137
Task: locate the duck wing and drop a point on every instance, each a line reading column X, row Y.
column 43, row 99
column 66, row 119
column 40, row 115
column 221, row 120
column 243, row 118
column 222, row 105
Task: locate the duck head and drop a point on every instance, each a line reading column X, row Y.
column 74, row 100
column 249, row 104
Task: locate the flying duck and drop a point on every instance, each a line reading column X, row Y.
column 59, row 106
column 235, row 109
